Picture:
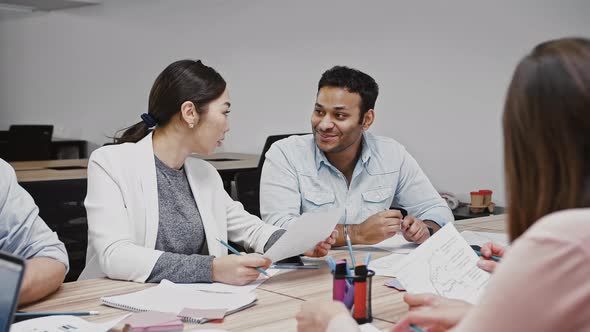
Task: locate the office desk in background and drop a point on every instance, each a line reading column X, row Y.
column 279, row 298
column 60, row 147
column 226, row 163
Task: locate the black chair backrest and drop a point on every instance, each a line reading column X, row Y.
column 29, row 142
column 269, row 141
column 248, row 182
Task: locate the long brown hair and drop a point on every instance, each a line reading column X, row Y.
column 547, row 132
column 184, row 80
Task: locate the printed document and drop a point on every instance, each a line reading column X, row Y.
column 445, row 265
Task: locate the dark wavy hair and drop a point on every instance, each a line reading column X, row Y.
column 354, row 81
column 184, row 80
column 547, row 133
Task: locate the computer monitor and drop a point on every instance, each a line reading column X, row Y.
column 12, row 269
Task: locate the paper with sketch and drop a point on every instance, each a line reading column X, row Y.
column 445, row 265
column 217, row 287
column 386, row 266
column 63, row 323
column 481, row 238
column 304, row 233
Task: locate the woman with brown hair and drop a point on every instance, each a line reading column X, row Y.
column 547, row 163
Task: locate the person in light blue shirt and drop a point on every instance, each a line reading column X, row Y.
column 343, row 165
column 24, row 233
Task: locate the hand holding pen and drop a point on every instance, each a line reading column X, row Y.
column 238, row 269
column 491, row 253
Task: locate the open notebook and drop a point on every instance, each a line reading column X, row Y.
column 170, row 297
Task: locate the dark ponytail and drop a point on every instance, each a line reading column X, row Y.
column 184, row 80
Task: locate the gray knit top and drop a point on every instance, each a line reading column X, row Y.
column 181, row 235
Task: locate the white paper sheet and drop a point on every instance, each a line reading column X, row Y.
column 63, row 323
column 395, row 244
column 368, row 327
column 217, row 287
column 480, row 238
column 304, row 233
column 386, row 266
column 445, row 265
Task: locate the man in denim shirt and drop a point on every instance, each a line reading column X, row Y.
column 342, row 165
column 24, row 233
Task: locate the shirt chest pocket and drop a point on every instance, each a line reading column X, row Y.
column 317, row 200
column 375, row 201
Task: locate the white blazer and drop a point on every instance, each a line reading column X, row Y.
column 123, row 214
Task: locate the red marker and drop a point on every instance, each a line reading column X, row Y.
column 360, row 294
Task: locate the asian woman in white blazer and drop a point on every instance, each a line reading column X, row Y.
column 187, row 113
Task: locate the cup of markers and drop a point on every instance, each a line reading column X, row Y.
column 352, row 286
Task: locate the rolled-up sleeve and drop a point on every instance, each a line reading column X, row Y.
column 417, row 195
column 22, row 231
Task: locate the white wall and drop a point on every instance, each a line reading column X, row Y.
column 443, row 67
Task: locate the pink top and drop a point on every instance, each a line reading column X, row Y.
column 543, row 284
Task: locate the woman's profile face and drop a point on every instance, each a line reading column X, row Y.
column 212, row 125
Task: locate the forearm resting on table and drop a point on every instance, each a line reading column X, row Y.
column 43, row 276
column 353, row 232
column 356, row 236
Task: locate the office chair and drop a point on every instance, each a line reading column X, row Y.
column 248, row 183
column 29, row 142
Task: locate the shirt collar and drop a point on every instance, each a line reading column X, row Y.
column 320, row 157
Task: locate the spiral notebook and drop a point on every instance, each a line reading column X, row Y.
column 169, row 297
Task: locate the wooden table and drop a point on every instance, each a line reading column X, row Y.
column 279, row 298
column 44, row 164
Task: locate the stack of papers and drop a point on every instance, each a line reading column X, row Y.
column 153, row 321
column 63, row 323
column 187, row 303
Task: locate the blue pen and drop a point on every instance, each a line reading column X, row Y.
column 56, row 313
column 331, row 263
column 415, row 328
column 367, row 260
column 238, row 253
column 349, row 245
column 493, row 257
column 477, row 250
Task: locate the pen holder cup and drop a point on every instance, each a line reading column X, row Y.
column 355, row 293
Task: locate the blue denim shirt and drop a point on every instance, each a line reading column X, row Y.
column 297, row 178
column 22, row 231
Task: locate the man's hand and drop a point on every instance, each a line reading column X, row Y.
column 378, row 227
column 415, row 230
column 321, row 249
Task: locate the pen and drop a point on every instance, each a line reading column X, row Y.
column 56, row 313
column 349, row 245
column 331, row 263
column 367, row 259
column 415, row 328
column 232, row 249
column 477, row 250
